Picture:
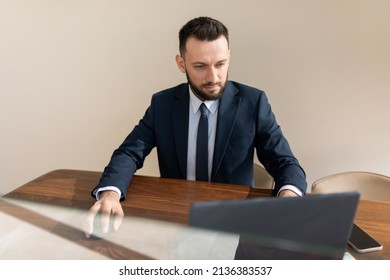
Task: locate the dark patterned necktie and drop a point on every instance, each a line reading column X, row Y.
column 202, row 158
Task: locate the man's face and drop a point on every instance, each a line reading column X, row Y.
column 206, row 66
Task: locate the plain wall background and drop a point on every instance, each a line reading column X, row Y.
column 76, row 76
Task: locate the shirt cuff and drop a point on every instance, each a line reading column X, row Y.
column 291, row 188
column 108, row 188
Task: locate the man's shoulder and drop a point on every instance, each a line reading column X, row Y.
column 172, row 91
column 246, row 90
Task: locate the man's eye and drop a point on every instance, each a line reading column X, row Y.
column 199, row 66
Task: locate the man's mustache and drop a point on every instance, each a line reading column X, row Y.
column 211, row 84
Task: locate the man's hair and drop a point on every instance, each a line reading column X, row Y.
column 203, row 29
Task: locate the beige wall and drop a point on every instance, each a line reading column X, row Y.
column 75, row 77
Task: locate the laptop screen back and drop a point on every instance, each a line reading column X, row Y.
column 309, row 227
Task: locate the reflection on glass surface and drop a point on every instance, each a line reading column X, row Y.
column 31, row 230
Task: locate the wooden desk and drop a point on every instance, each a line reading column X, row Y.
column 148, row 197
column 156, row 198
column 374, row 218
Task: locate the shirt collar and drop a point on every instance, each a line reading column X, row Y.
column 212, row 105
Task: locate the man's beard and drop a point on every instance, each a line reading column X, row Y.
column 206, row 96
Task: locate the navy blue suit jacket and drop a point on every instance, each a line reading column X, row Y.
column 245, row 124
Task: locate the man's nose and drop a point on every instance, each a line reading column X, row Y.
column 212, row 75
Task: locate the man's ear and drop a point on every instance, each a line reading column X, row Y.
column 180, row 63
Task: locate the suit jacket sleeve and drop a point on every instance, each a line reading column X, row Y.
column 274, row 152
column 129, row 156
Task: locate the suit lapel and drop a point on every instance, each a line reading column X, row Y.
column 180, row 117
column 227, row 114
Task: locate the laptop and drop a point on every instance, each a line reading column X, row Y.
column 309, row 227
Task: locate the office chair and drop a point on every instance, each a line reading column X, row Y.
column 371, row 186
column 261, row 178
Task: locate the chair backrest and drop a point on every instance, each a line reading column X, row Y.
column 371, row 186
column 262, row 179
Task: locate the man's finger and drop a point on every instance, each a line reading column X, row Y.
column 105, row 222
column 118, row 221
column 88, row 220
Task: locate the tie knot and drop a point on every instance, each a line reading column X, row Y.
column 203, row 109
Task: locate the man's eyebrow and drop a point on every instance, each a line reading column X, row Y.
column 222, row 60
column 203, row 63
column 199, row 63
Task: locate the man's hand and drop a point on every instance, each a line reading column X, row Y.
column 287, row 193
column 107, row 205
